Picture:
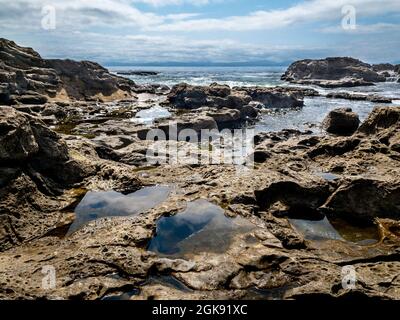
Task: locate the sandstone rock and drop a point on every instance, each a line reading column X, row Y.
column 17, row 141
column 85, row 80
column 26, row 78
column 25, row 145
column 341, row 122
column 365, row 200
column 380, row 119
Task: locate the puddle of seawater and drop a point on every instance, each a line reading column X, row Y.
column 148, row 116
column 124, row 296
column 267, row 294
column 327, row 176
column 168, row 281
column 97, row 205
column 336, row 229
column 164, row 280
column 202, row 227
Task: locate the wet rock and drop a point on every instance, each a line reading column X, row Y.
column 275, row 97
column 137, row 73
column 332, row 72
column 341, row 122
column 173, row 129
column 184, row 96
column 331, row 84
column 358, row 97
column 365, row 200
column 37, row 167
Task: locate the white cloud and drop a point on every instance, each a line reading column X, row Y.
column 364, row 28
column 107, row 30
column 305, row 12
column 162, row 3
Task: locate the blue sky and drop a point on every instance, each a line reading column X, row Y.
column 218, row 31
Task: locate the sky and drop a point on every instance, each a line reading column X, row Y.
column 256, row 32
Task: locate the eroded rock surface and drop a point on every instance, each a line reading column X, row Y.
column 38, row 173
column 26, row 78
column 272, row 260
column 341, row 122
column 52, row 154
column 184, row 96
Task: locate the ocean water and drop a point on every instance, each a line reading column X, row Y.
column 232, row 76
column 307, row 118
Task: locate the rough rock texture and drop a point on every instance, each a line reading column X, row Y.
column 352, row 182
column 36, row 168
column 184, row 96
column 332, row 72
column 26, row 78
column 273, row 260
column 88, row 80
column 341, row 122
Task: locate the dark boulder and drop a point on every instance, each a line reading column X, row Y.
column 337, row 71
column 341, row 121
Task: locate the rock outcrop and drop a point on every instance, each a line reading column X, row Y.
column 332, row 73
column 26, row 78
column 87, row 80
column 359, row 97
column 383, row 67
column 341, row 122
column 184, row 96
column 37, row 167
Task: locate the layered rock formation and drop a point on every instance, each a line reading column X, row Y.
column 26, row 78
column 36, row 168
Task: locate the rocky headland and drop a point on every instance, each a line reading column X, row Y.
column 338, row 72
column 311, row 205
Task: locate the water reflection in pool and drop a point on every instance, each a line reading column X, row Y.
column 97, row 205
column 202, row 227
column 148, row 116
column 336, row 229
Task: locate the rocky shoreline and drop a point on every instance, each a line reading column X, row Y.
column 312, row 203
